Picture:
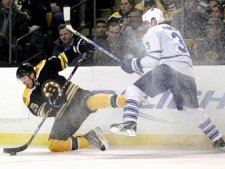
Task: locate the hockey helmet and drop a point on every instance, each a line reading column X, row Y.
column 24, row 69
column 153, row 13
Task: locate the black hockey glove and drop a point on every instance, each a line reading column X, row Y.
column 132, row 65
column 81, row 46
column 57, row 102
column 54, row 103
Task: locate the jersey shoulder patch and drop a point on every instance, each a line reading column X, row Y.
column 39, row 67
column 26, row 96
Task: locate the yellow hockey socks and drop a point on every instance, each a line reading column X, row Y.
column 98, row 101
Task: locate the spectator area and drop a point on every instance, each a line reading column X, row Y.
column 102, row 11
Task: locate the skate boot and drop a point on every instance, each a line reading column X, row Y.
column 219, row 144
column 127, row 129
column 92, row 137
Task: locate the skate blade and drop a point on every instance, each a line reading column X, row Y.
column 102, row 137
column 129, row 133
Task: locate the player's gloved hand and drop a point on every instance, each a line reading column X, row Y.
column 54, row 103
column 57, row 102
column 81, row 46
column 132, row 65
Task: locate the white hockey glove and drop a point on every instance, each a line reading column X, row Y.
column 132, row 65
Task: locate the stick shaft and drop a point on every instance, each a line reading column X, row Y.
column 66, row 13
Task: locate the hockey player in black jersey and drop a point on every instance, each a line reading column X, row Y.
column 73, row 106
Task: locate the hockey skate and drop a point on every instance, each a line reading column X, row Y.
column 219, row 144
column 127, row 129
column 93, row 138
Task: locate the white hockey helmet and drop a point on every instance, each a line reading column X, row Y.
column 153, row 13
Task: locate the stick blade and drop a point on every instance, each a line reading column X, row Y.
column 15, row 149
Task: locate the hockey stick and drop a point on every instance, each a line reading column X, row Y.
column 13, row 151
column 66, row 13
column 144, row 103
column 143, row 115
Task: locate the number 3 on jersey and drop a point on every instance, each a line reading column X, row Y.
column 182, row 48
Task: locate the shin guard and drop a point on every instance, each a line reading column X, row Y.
column 204, row 123
column 98, row 101
column 60, row 145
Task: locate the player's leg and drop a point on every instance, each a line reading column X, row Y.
column 61, row 137
column 185, row 97
column 101, row 100
column 151, row 84
column 89, row 138
column 130, row 112
column 78, row 142
column 205, row 124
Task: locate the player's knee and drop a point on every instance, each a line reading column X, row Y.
column 59, row 145
column 197, row 115
column 133, row 91
column 51, row 145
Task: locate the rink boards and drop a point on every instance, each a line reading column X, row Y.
column 17, row 124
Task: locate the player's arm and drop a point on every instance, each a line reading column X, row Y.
column 63, row 59
column 36, row 107
column 40, row 107
column 153, row 49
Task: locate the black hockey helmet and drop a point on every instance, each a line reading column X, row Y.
column 24, row 69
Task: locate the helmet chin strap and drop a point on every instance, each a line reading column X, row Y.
column 34, row 80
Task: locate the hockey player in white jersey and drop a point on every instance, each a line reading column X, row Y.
column 172, row 70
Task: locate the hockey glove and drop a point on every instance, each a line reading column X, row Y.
column 81, row 46
column 132, row 65
column 54, row 103
column 56, row 100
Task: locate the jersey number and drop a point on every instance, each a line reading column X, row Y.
column 182, row 48
column 148, row 46
column 34, row 107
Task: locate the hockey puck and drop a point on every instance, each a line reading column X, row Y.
column 13, row 153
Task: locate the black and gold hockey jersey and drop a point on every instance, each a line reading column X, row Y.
column 71, row 115
column 48, row 82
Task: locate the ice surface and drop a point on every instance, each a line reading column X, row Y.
column 116, row 158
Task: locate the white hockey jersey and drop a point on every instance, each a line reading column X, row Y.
column 164, row 45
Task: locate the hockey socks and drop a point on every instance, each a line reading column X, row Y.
column 73, row 143
column 204, row 123
column 130, row 112
column 59, row 145
column 79, row 143
column 130, row 116
column 98, row 101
